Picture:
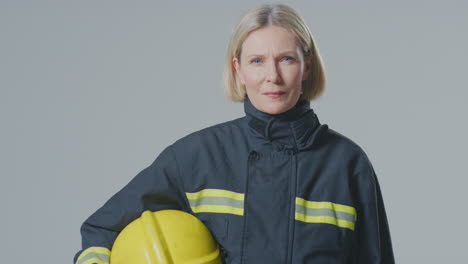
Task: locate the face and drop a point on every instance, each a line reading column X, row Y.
column 272, row 69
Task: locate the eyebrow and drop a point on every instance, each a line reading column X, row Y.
column 289, row 52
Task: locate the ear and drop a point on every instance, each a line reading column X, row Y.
column 307, row 67
column 236, row 64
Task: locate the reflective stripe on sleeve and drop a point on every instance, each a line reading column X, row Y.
column 216, row 201
column 98, row 255
column 325, row 212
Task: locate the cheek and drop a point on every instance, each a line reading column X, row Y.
column 293, row 75
column 252, row 79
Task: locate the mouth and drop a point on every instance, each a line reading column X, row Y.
column 275, row 94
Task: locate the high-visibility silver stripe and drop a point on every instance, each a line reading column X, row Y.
column 217, row 201
column 90, row 255
column 324, row 212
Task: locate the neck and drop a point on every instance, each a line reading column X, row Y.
column 287, row 130
column 301, row 107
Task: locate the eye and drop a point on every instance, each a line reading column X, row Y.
column 288, row 59
column 256, row 61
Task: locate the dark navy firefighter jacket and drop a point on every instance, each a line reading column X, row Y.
column 271, row 189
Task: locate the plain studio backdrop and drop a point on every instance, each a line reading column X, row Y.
column 92, row 91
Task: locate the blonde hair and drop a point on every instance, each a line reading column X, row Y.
column 279, row 15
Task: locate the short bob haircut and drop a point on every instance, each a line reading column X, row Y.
column 278, row 15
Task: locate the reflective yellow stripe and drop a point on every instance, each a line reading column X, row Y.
column 215, row 193
column 328, row 205
column 325, row 212
column 99, row 255
column 217, row 209
column 216, row 201
column 324, row 220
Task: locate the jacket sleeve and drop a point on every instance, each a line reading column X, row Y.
column 155, row 188
column 374, row 244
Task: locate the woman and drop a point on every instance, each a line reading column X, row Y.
column 287, row 189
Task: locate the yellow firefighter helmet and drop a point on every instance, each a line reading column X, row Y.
column 165, row 237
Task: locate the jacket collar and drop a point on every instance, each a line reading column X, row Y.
column 292, row 130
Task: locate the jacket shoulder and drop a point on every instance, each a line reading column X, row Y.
column 217, row 133
column 344, row 147
column 336, row 138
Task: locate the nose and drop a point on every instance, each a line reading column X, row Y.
column 272, row 73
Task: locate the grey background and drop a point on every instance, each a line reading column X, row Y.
column 92, row 91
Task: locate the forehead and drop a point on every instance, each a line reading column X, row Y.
column 269, row 39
